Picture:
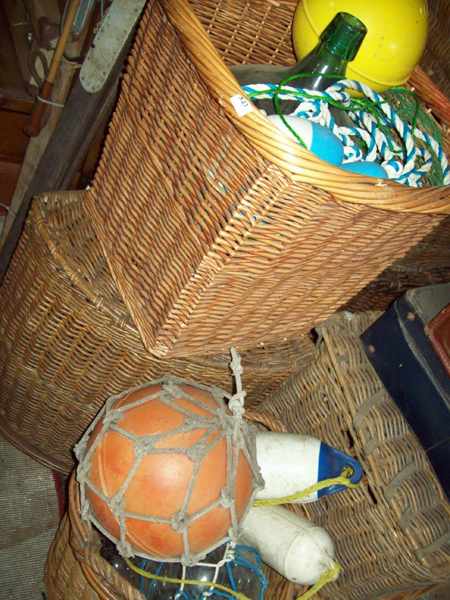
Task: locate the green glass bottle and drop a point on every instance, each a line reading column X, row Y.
column 339, row 43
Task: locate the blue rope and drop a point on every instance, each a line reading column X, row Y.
column 229, row 569
column 143, row 582
column 146, row 586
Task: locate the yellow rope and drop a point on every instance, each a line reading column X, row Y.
column 163, row 579
column 343, row 479
column 327, row 577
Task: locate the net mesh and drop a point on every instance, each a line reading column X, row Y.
column 236, row 565
column 218, row 421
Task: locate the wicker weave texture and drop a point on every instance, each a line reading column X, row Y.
column 393, row 532
column 75, row 569
column 427, row 263
column 67, row 341
column 436, row 61
column 64, row 577
column 218, row 230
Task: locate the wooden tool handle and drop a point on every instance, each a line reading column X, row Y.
column 35, row 125
column 60, row 47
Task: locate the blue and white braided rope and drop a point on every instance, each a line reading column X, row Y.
column 400, row 163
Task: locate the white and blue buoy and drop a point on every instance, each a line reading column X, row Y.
column 290, row 463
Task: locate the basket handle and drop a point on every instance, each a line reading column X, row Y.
column 299, row 164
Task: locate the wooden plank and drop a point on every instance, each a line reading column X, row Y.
column 16, row 104
column 13, row 144
column 65, row 151
column 13, row 141
column 37, row 145
column 19, row 26
column 10, row 74
column 9, row 172
column 87, row 168
column 36, row 148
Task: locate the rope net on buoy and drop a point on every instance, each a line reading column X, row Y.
column 200, row 410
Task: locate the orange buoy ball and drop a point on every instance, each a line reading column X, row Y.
column 167, row 472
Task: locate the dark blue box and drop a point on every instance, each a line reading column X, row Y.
column 412, row 372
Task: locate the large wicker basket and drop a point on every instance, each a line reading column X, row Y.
column 64, row 577
column 75, row 570
column 67, row 341
column 393, row 532
column 218, row 229
column 427, row 263
column 75, row 555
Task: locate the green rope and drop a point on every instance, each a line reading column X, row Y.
column 300, row 94
column 411, row 110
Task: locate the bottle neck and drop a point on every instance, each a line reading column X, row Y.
column 326, row 66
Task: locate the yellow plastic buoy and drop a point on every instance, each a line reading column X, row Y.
column 397, row 32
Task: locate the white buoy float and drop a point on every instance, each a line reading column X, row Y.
column 296, row 548
column 290, row 463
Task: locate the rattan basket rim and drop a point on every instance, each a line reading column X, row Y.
column 82, row 532
column 24, row 446
column 41, row 216
column 299, row 164
column 47, row 205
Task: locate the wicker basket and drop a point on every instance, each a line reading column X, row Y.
column 435, row 61
column 75, row 569
column 393, row 532
column 76, row 550
column 67, row 342
column 427, row 263
column 219, row 229
column 64, row 577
